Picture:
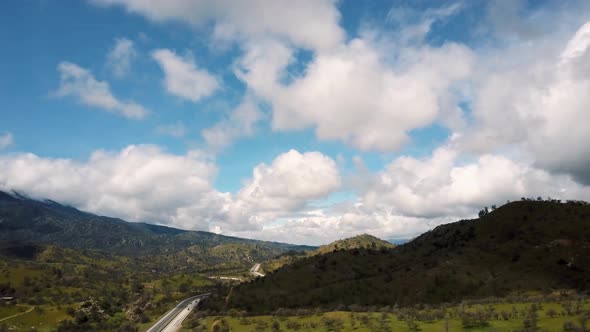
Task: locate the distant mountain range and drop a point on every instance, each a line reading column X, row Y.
column 25, row 221
column 539, row 246
column 398, row 241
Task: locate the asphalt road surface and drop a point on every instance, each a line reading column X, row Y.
column 172, row 320
column 254, row 270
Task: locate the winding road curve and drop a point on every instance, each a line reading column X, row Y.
column 254, row 270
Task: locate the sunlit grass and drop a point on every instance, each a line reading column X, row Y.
column 345, row 321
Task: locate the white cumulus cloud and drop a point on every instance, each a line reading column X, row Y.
column 544, row 108
column 291, row 180
column 353, row 94
column 280, row 190
column 240, row 123
column 248, row 19
column 183, row 78
column 79, row 83
column 442, row 185
column 138, row 183
column 120, row 56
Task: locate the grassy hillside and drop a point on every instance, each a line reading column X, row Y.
column 228, row 258
column 522, row 246
column 88, row 290
column 554, row 312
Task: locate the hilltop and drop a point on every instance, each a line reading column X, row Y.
column 362, row 241
column 356, row 242
column 522, row 246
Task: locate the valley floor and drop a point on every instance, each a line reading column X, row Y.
column 31, row 318
column 504, row 316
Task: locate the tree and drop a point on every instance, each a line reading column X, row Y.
column 530, row 321
column 276, row 326
column 412, row 325
column 569, row 326
column 261, row 325
column 293, row 325
column 583, row 319
column 127, row 327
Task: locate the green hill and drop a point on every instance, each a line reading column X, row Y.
column 360, row 241
column 522, row 246
column 356, row 242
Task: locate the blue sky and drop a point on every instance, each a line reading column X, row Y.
column 397, row 101
column 52, row 32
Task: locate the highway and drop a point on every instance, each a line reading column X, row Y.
column 172, row 320
column 226, row 278
column 254, row 270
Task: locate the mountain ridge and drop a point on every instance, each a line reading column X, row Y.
column 25, row 220
column 520, row 247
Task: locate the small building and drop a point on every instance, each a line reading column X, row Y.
column 8, row 299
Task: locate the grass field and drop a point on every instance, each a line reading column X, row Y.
column 344, row 321
column 41, row 318
column 16, row 274
column 10, row 310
